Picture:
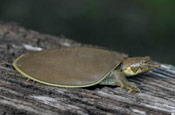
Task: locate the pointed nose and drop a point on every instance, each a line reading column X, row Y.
column 153, row 66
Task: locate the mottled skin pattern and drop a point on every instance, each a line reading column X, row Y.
column 129, row 67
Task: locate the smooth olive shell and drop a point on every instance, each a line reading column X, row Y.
column 68, row 67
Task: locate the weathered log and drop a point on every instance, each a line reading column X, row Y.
column 19, row 96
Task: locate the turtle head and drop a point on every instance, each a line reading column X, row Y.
column 136, row 65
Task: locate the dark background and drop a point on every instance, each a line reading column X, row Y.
column 135, row 27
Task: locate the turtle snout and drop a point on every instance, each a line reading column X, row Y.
column 154, row 66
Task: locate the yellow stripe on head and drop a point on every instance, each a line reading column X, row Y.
column 129, row 71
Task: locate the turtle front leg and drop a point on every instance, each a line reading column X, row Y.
column 124, row 83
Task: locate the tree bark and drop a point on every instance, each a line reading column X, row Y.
column 19, row 96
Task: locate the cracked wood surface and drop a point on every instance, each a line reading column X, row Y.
column 19, row 96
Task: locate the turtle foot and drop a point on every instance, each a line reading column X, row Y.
column 124, row 83
column 130, row 86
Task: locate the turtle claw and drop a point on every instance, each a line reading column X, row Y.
column 134, row 90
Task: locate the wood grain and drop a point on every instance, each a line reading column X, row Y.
column 19, row 96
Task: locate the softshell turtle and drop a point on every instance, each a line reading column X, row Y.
column 82, row 67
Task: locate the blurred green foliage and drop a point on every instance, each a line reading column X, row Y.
column 137, row 27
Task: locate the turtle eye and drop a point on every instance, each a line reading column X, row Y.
column 144, row 62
